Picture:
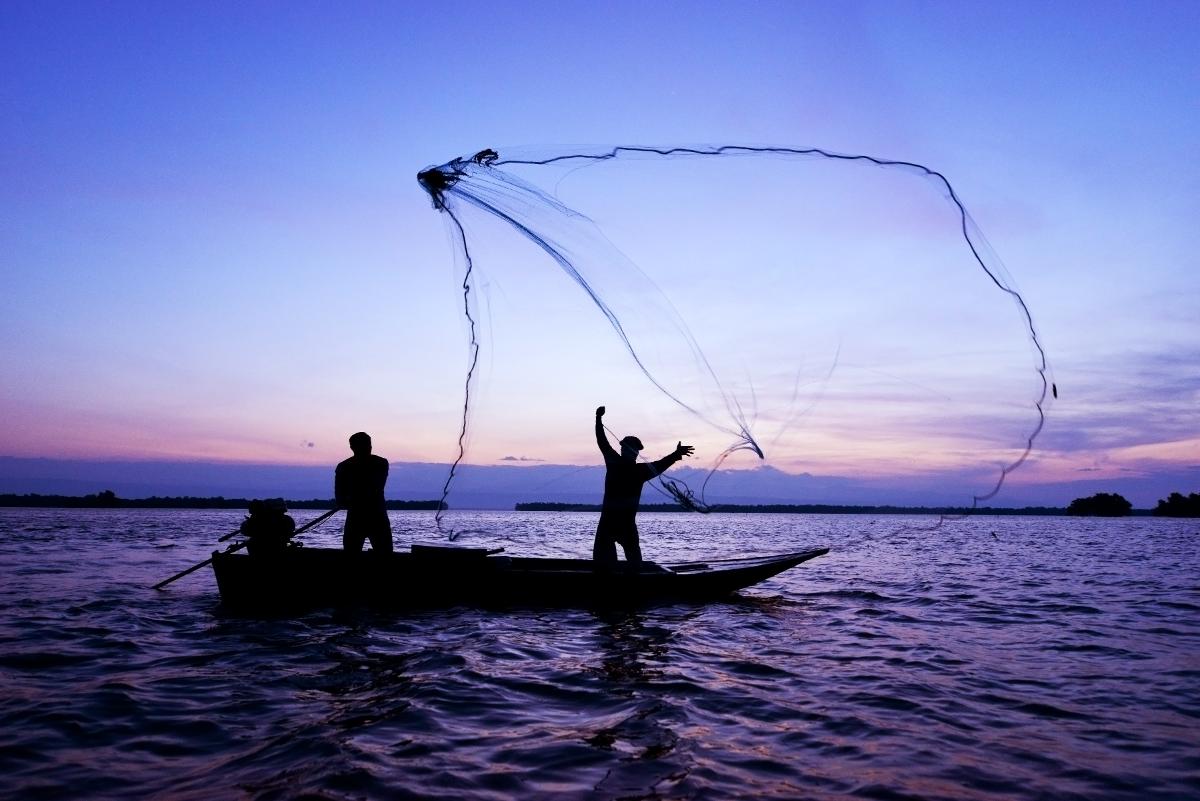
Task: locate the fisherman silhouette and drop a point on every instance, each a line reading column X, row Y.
column 623, row 480
column 268, row 528
column 358, row 488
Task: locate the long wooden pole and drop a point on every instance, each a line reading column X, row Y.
column 230, row 535
column 238, row 546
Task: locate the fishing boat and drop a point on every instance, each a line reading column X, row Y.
column 430, row 576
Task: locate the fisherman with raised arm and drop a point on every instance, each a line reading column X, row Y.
column 623, row 480
column 358, row 488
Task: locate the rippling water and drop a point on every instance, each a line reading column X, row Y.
column 1014, row 658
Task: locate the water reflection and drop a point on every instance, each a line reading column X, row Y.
column 632, row 652
column 364, row 683
column 635, row 664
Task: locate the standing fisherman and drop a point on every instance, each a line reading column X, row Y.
column 358, row 488
column 623, row 480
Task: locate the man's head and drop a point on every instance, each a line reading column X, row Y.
column 360, row 443
column 630, row 448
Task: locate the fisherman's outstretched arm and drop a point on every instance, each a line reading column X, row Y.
column 671, row 458
column 601, row 437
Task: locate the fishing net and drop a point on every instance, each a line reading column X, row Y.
column 824, row 313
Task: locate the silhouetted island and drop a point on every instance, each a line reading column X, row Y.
column 1176, row 505
column 1102, row 504
column 108, row 500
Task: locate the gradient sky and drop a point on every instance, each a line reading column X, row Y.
column 201, row 205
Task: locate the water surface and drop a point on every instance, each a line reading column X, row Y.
column 990, row 658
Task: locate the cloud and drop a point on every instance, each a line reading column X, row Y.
column 519, row 459
column 1131, row 399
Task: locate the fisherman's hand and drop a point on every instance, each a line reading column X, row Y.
column 599, row 411
column 682, row 450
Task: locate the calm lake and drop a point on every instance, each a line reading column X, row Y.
column 988, row 658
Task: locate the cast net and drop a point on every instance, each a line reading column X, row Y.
column 783, row 309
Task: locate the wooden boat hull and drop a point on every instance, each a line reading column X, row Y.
column 441, row 577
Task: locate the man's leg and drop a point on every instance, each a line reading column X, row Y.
column 604, row 550
column 381, row 535
column 352, row 535
column 633, row 551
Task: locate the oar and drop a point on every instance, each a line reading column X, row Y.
column 315, row 521
column 235, row 547
column 238, row 546
column 303, row 528
column 230, row 535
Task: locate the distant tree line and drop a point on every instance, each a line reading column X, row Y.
column 1176, row 505
column 551, row 506
column 803, row 508
column 1102, row 504
column 1110, row 504
column 108, row 499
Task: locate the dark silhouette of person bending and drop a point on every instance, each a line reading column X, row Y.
column 268, row 528
column 623, row 480
column 358, row 488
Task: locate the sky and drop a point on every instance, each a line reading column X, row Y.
column 213, row 248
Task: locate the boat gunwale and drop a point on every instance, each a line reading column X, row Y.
column 554, row 564
column 249, row 582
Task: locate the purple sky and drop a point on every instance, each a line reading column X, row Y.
column 201, row 205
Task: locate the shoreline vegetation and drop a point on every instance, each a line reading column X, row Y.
column 108, row 500
column 804, row 508
column 1101, row 505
